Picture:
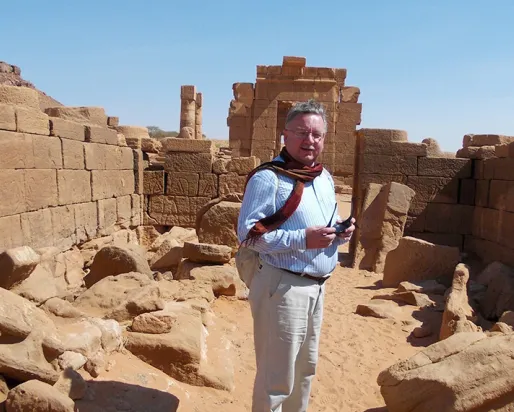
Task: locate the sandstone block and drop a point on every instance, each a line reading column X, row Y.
column 379, row 308
column 17, row 151
column 16, row 265
column 242, row 165
column 63, row 221
column 86, row 221
column 168, row 255
column 243, row 92
column 74, row 186
column 219, row 223
column 138, row 171
column 155, row 322
column 107, row 216
column 482, row 193
column 503, row 168
column 505, row 150
column 73, row 154
column 116, row 260
column 40, row 188
column 231, row 183
column 67, row 129
column 382, row 164
column 7, row 118
column 12, row 192
column 137, row 209
column 208, row 185
column 10, row 232
column 112, row 183
column 124, row 210
column 379, row 141
column 32, row 121
column 446, row 239
column 188, row 162
column 467, row 191
column 173, row 144
column 182, row 184
column 113, row 121
column 19, row 96
column 134, row 142
column 133, row 132
column 350, row 94
column 85, row 115
column 176, row 210
column 444, row 167
column 150, row 145
column 95, row 134
column 434, row 189
column 219, row 165
column 188, row 92
column 37, row 228
column 415, row 259
column 501, row 195
column 38, row 396
column 485, row 140
column 447, row 218
column 207, row 253
column 153, row 182
column 47, row 152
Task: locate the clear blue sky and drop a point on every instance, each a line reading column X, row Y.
column 435, row 68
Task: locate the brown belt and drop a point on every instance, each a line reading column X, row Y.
column 320, row 281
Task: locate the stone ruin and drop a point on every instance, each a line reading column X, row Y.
column 112, row 242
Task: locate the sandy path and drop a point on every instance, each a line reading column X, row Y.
column 353, row 350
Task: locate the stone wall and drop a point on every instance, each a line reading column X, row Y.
column 193, row 173
column 461, row 200
column 258, row 112
column 65, row 176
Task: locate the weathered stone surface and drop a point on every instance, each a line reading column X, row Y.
column 410, row 298
column 7, row 117
column 95, row 134
column 19, row 96
column 67, row 129
column 219, row 224
column 155, row 322
column 153, row 182
column 466, row 372
column 150, row 145
column 16, row 265
column 173, row 144
column 71, row 360
column 167, row 255
column 74, row 186
column 73, row 154
column 458, row 314
column 415, row 259
column 115, row 260
column 112, row 183
column 499, row 297
column 425, row 286
column 395, row 216
column 32, row 121
column 207, row 253
column 36, row 396
column 121, row 297
column 84, row 115
column 188, row 162
column 478, row 140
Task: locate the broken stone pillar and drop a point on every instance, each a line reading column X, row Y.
column 382, row 221
column 188, row 107
column 198, row 116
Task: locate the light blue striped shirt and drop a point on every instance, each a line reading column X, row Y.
column 285, row 247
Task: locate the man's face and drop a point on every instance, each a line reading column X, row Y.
column 304, row 137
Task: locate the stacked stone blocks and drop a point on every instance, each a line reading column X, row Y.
column 63, row 180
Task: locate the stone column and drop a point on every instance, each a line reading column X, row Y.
column 188, row 108
column 198, row 116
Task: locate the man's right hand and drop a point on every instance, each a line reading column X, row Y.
column 319, row 237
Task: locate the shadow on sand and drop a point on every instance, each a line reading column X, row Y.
column 104, row 396
column 383, row 409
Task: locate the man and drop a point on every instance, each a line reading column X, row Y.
column 287, row 216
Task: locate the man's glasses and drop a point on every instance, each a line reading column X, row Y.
column 304, row 134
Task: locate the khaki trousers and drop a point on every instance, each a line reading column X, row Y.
column 287, row 312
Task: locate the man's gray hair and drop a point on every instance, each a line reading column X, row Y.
column 310, row 106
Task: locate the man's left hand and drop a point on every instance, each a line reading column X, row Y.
column 347, row 234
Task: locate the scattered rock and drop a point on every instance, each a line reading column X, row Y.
column 383, row 309
column 116, row 260
column 207, row 253
column 224, row 279
column 411, row 298
column 501, row 327
column 71, row 360
column 96, row 364
column 415, row 259
column 424, row 286
column 16, row 265
column 422, row 331
column 218, row 225
column 168, row 255
column 61, row 308
column 154, row 322
column 36, row 396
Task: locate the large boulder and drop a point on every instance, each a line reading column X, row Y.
column 415, row 259
column 466, row 372
column 36, row 396
column 206, row 253
column 16, row 265
column 116, row 260
column 218, row 225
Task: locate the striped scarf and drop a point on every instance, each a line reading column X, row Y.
column 295, row 170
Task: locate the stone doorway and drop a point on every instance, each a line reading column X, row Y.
column 283, row 108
